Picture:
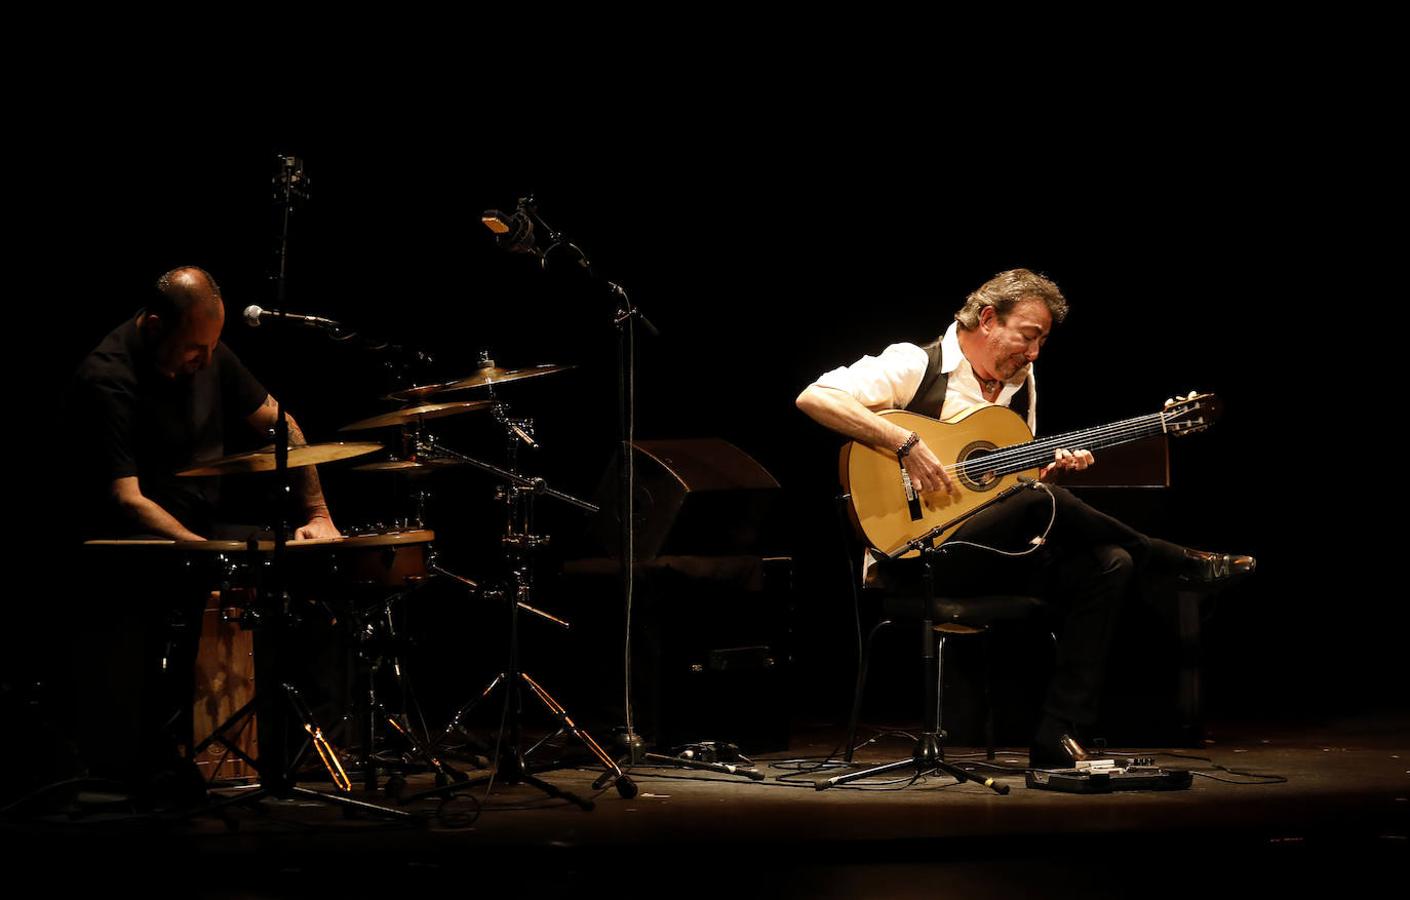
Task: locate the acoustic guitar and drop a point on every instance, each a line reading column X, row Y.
column 986, row 450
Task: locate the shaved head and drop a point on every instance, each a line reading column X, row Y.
column 184, row 291
column 183, row 321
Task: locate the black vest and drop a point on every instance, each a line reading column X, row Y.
column 930, row 396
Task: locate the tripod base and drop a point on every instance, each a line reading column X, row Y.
column 928, row 759
column 511, row 767
column 284, row 783
column 632, row 746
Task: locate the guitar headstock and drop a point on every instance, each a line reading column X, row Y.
column 1189, row 414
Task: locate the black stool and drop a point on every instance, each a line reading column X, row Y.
column 946, row 617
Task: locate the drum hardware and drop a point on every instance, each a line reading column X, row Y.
column 278, row 774
column 374, row 558
column 518, row 494
column 267, row 600
column 227, row 733
column 428, row 448
column 516, row 234
column 277, row 771
column 257, row 613
column 326, row 753
column 521, row 485
column 238, row 570
column 377, row 649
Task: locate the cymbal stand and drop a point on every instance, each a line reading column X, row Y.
column 520, row 544
column 378, row 640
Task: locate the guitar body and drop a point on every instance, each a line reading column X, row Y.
column 880, row 509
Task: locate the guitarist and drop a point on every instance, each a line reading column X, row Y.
column 1085, row 560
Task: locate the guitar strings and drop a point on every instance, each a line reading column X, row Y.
column 1033, row 453
column 1037, row 453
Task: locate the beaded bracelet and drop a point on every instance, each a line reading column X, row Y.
column 907, row 445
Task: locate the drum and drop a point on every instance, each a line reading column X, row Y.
column 336, row 575
column 393, row 559
column 397, row 559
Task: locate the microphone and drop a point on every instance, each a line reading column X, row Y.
column 513, row 231
column 253, row 314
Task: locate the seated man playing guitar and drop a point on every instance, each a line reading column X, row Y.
column 1043, row 541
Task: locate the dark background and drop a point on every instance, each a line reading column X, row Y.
column 768, row 247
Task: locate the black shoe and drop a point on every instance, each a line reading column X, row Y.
column 1060, row 754
column 1054, row 746
column 1201, row 567
column 175, row 787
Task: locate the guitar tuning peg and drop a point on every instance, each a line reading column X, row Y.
column 1192, row 396
column 1169, row 402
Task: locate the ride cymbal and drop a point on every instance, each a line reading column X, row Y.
column 262, row 460
column 487, row 376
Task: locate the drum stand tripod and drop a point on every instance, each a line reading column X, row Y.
column 377, row 648
column 520, row 545
column 278, row 774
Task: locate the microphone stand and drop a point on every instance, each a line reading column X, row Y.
column 277, row 771
column 624, row 319
column 404, row 357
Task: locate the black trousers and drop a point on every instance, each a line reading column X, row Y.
column 1083, row 569
column 132, row 636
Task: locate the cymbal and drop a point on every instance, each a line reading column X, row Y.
column 262, row 460
column 486, row 376
column 405, row 465
column 416, row 413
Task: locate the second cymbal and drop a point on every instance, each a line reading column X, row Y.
column 486, row 376
column 416, row 413
column 411, row 466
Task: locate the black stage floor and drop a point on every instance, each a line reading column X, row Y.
column 1297, row 809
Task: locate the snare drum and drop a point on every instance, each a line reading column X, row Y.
column 393, row 559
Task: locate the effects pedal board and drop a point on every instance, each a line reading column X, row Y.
column 1104, row 776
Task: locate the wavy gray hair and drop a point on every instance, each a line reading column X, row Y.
column 1005, row 291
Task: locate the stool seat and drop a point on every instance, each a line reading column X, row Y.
column 976, row 612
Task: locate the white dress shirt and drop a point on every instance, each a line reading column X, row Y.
column 890, row 381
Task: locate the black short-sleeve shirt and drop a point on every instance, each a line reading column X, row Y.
column 133, row 420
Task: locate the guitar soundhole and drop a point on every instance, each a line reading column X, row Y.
column 972, row 473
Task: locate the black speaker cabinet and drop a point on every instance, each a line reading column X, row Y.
column 698, row 497
column 711, row 646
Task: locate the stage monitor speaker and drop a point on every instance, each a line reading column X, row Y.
column 700, row 496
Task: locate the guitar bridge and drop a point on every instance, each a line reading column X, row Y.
column 912, row 496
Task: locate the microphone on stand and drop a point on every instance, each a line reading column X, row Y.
column 513, row 231
column 255, row 314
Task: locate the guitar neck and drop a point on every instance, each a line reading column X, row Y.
column 1038, row 452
